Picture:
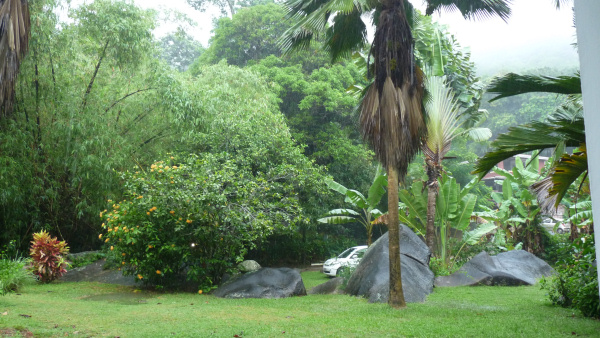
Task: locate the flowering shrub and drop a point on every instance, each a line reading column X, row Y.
column 47, row 257
column 196, row 219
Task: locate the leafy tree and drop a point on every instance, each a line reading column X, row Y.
column 180, row 49
column 391, row 115
column 322, row 117
column 77, row 116
column 251, row 34
column 231, row 6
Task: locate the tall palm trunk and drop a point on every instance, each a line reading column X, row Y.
column 396, row 296
column 432, row 191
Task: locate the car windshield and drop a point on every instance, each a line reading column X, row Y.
column 360, row 253
column 345, row 253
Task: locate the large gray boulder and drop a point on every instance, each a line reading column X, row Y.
column 332, row 286
column 371, row 279
column 517, row 267
column 264, row 283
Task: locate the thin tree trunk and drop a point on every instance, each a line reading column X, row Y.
column 396, row 296
column 91, row 84
column 430, row 230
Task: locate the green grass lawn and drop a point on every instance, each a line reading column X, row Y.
column 92, row 309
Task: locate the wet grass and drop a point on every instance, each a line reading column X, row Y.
column 92, row 309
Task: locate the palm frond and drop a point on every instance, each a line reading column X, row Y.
column 14, row 40
column 311, row 19
column 565, row 126
column 514, row 84
column 472, row 9
column 552, row 189
column 347, row 34
column 442, row 110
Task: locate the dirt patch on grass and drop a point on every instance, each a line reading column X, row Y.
column 14, row 332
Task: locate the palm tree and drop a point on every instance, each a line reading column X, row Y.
column 14, row 39
column 392, row 118
column 443, row 127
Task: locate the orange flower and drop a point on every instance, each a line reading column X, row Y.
column 150, row 247
column 158, row 272
column 106, row 240
column 199, row 292
column 123, row 263
column 123, row 254
column 140, row 276
column 148, row 213
column 172, row 212
column 100, row 236
column 111, row 247
column 188, row 221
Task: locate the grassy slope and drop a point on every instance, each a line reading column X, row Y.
column 92, row 309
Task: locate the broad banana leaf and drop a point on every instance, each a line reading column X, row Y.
column 473, row 237
column 335, row 186
column 337, row 220
column 342, row 212
column 463, row 216
column 357, row 199
column 377, row 190
column 507, row 191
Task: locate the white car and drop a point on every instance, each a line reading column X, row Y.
column 349, row 258
column 561, row 229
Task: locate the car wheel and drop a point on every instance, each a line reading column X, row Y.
column 560, row 231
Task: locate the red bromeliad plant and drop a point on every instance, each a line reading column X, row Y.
column 47, row 253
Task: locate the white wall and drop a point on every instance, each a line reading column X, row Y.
column 587, row 18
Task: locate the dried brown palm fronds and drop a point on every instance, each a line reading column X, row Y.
column 392, row 118
column 14, row 39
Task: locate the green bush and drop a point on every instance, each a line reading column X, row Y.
column 13, row 274
column 576, row 282
column 194, row 220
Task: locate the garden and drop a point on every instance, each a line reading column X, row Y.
column 169, row 165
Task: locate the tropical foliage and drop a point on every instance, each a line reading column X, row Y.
column 366, row 206
column 564, row 128
column 576, row 283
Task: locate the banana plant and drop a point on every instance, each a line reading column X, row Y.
column 364, row 209
column 518, row 213
column 455, row 206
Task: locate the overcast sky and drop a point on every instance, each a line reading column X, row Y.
column 536, row 33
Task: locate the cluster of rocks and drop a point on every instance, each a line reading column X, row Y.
column 370, row 279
